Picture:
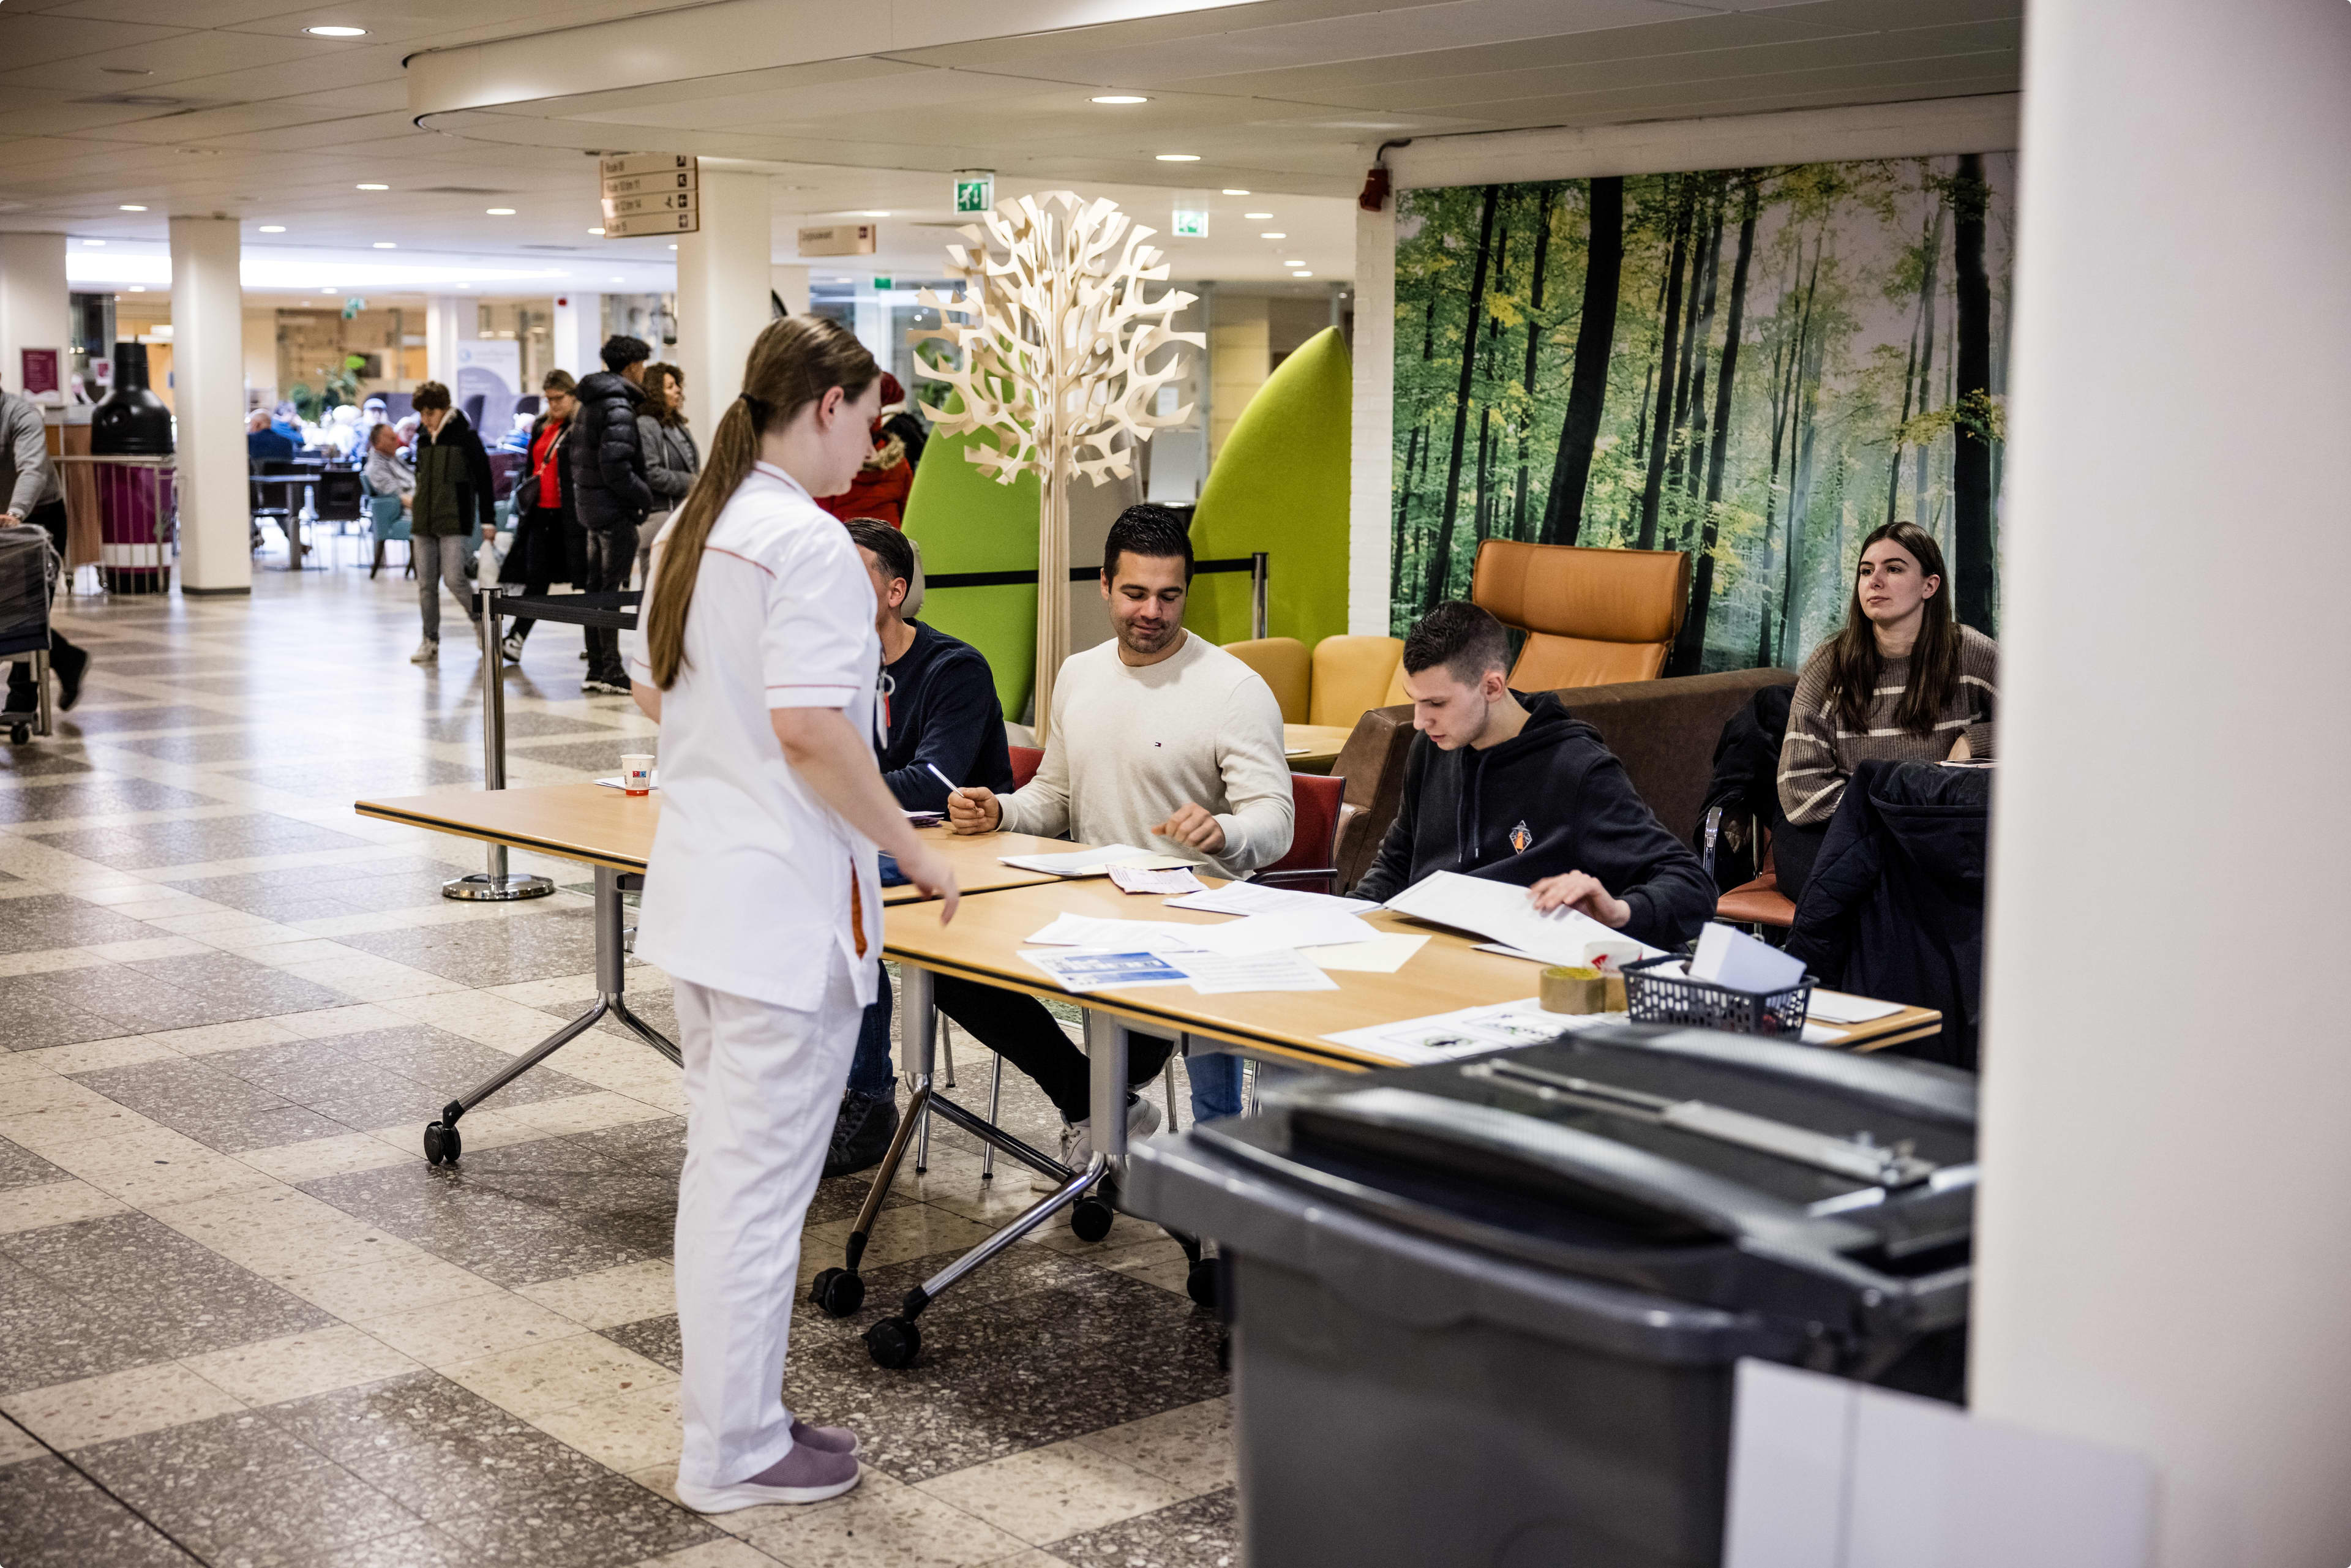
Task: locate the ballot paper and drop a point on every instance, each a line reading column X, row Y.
column 1094, row 861
column 617, row 782
column 1217, row 974
column 1468, row 1031
column 1383, row 955
column 1094, row 969
column 1068, row 930
column 1840, row 1007
column 1266, row 932
column 1502, row 911
column 1249, row 898
column 1134, row 879
column 1738, row 962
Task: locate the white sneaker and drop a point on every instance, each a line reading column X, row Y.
column 1078, row 1140
column 511, row 646
column 426, row 652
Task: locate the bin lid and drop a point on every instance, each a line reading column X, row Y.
column 1718, row 1169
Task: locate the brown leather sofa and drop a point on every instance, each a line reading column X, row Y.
column 1663, row 730
column 1590, row 615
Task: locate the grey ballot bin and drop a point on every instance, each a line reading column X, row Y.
column 1486, row 1312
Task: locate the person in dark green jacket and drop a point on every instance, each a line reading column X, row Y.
column 455, row 494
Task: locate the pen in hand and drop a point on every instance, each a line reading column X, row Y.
column 952, row 787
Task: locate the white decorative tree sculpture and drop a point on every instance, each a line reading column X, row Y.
column 1051, row 375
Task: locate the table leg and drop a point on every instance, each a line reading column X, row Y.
column 442, row 1143
column 495, row 883
column 1106, row 1056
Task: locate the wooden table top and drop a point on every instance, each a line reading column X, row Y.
column 608, row 826
column 1449, row 972
column 1313, row 747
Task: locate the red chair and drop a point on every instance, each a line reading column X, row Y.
column 1758, row 903
column 1026, row 761
column 1319, row 810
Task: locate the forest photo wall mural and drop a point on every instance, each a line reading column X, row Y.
column 1755, row 365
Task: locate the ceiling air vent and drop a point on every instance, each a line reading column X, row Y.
column 462, row 191
column 135, row 99
column 548, row 248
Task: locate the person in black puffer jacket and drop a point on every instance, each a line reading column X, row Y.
column 610, row 494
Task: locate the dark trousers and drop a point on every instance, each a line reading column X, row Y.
column 869, row 1069
column 612, row 553
column 1793, row 849
column 538, row 541
column 23, row 697
column 1016, row 1027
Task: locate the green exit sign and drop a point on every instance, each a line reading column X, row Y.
column 882, row 285
column 1191, row 224
column 975, row 192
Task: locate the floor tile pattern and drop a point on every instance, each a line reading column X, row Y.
column 243, row 1323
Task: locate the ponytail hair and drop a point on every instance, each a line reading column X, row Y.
column 794, row 363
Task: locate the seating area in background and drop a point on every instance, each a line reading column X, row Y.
column 1591, row 617
column 1334, row 683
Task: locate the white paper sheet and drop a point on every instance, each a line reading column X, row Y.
column 1843, row 1007
column 1383, row 955
column 1502, row 912
column 1103, row 934
column 617, row 782
column 1468, row 1031
column 1729, row 957
column 1093, row 862
column 1134, row 879
column 1264, row 933
column 1821, row 1034
column 1249, row 898
column 1093, row 970
column 1218, row 974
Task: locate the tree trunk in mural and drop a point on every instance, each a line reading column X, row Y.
column 1403, row 500
column 1783, row 398
column 1792, row 629
column 1534, row 337
column 1483, row 514
column 1972, row 431
column 1692, row 457
column 1596, row 339
column 1678, row 444
column 1927, row 360
column 1440, row 563
column 1689, row 647
column 1662, row 423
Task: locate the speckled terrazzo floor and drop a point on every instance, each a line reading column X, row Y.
column 243, row 1323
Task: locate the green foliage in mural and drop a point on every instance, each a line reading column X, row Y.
column 1755, row 365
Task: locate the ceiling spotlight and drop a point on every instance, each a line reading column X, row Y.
column 873, row 213
column 373, row 187
column 1261, row 217
column 336, row 32
column 273, row 228
column 1231, row 192
column 138, row 289
column 1273, row 234
column 595, row 230
column 1301, row 274
column 499, row 212
column 129, row 207
column 672, row 247
column 1178, row 157
column 616, row 279
column 1121, row 97
column 386, row 245
column 93, row 242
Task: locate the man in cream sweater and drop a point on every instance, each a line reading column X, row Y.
column 1158, row 739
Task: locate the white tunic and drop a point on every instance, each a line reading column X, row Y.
column 751, row 874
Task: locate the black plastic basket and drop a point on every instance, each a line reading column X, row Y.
column 1652, row 998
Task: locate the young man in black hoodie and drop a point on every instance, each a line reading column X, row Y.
column 607, row 478
column 1501, row 786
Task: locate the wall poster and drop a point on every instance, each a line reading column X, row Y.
column 1756, row 365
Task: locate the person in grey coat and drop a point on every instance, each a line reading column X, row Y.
column 672, row 459
column 30, row 493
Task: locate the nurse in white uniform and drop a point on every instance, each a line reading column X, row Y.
column 760, row 660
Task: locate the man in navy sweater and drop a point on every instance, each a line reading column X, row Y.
column 940, row 711
column 1501, row 786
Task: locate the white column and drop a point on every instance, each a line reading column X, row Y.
column 1371, row 496
column 578, row 333
column 448, row 318
column 2163, row 1243
column 791, row 286
column 208, row 397
column 33, row 308
column 722, row 291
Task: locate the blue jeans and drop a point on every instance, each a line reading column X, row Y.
column 1215, row 1085
column 869, row 1069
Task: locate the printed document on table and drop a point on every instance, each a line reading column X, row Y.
column 1468, row 1031
column 1092, row 969
column 1843, row 1007
column 1069, row 930
column 1383, row 955
column 1134, row 879
column 1263, row 932
column 1502, row 911
column 1094, row 861
column 1216, row 974
column 1249, row 898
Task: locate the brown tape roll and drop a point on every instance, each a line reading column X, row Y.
column 1576, row 990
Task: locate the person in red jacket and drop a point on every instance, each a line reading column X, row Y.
column 880, row 487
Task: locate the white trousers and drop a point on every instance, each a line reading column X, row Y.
column 762, row 1086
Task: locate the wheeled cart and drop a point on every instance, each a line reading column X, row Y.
column 27, row 567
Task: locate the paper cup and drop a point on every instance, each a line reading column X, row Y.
column 637, row 774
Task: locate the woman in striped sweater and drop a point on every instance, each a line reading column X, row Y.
column 1902, row 679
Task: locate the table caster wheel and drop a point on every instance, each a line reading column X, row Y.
column 442, row 1145
column 18, row 733
column 894, row 1342
column 1201, row 1284
column 1091, row 1219
column 838, row 1291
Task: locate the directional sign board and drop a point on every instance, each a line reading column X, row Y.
column 837, row 239
column 651, row 194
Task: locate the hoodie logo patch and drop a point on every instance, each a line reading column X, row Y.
column 1520, row 838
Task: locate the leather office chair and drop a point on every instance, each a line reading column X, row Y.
column 1317, row 810
column 1592, row 617
column 340, row 498
column 1283, row 664
column 1353, row 676
column 1759, row 902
